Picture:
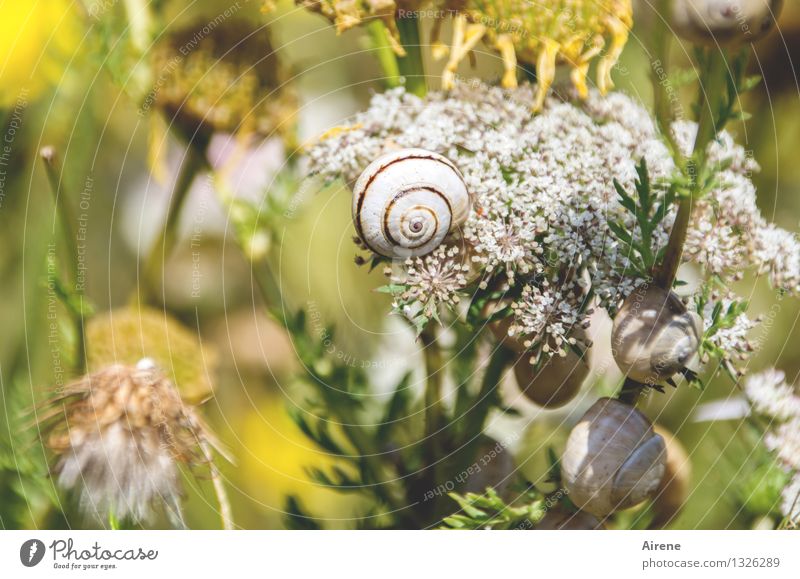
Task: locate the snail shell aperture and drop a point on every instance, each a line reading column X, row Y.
column 654, row 336
column 613, row 459
column 407, row 201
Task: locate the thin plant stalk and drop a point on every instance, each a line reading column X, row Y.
column 66, row 219
column 384, row 53
column 433, row 399
column 225, row 511
column 154, row 265
column 713, row 76
column 411, row 65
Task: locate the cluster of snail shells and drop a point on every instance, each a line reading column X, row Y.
column 654, row 336
column 613, row 459
column 721, row 22
column 407, row 202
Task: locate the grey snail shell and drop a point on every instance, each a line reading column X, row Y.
column 407, row 201
column 724, row 22
column 654, row 336
column 613, row 459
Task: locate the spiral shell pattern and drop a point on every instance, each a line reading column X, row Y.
column 407, row 201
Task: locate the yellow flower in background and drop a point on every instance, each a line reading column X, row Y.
column 274, row 457
column 346, row 14
column 37, row 38
column 543, row 33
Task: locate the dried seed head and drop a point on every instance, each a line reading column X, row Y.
column 206, row 81
column 126, row 335
column 120, row 435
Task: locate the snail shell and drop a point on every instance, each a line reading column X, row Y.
column 407, row 201
column 674, row 488
column 613, row 459
column 724, row 22
column 654, row 336
column 555, row 383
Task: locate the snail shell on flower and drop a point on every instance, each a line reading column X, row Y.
column 407, row 201
column 613, row 459
column 654, row 336
column 724, row 22
column 555, row 383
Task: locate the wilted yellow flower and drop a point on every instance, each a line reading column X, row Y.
column 126, row 335
column 226, row 77
column 37, row 38
column 346, row 14
column 543, row 33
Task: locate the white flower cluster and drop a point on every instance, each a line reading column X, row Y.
column 771, row 396
column 544, row 191
column 733, row 337
column 790, row 506
column 430, row 281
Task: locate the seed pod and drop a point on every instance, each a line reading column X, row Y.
column 654, row 336
column 555, row 383
column 723, row 22
column 406, row 202
column 673, row 490
column 613, row 459
column 559, row 518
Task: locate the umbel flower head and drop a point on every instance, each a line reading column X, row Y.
column 120, row 435
column 544, row 196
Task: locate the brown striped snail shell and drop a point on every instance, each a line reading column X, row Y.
column 654, row 336
column 407, row 201
column 613, row 459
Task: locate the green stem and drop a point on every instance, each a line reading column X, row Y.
column 66, row 219
column 713, row 76
column 411, row 65
column 434, row 368
column 384, row 53
column 152, row 273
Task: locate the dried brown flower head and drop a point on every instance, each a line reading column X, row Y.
column 120, row 435
column 223, row 76
column 126, row 335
